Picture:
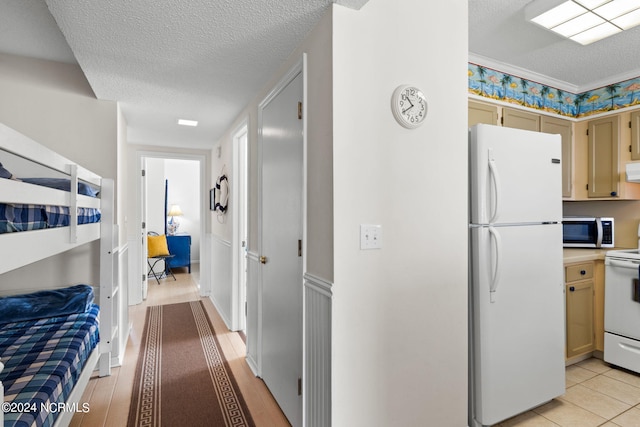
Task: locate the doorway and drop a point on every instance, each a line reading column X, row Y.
column 240, row 215
column 280, row 231
column 193, row 203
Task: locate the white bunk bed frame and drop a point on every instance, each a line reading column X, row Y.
column 22, row 248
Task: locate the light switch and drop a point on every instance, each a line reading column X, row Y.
column 370, row 236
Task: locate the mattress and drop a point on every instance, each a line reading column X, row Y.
column 15, row 217
column 43, row 359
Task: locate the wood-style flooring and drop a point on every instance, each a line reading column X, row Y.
column 109, row 398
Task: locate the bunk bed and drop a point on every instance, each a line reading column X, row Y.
column 40, row 218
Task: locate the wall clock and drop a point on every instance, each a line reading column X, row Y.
column 409, row 106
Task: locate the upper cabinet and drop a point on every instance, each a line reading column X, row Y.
column 482, row 113
column 634, row 124
column 519, row 119
column 564, row 129
column 604, row 143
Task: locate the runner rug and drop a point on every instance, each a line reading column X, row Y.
column 182, row 377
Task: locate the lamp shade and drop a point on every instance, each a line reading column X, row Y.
column 175, row 211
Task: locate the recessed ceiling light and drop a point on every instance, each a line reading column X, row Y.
column 585, row 21
column 185, row 122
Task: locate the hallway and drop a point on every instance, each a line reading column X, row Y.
column 109, row 397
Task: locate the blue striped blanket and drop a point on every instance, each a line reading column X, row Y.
column 36, row 217
column 43, row 359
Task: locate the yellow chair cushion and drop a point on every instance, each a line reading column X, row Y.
column 157, row 246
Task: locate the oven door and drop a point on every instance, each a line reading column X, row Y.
column 581, row 233
column 622, row 297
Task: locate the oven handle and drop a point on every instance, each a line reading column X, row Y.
column 624, row 264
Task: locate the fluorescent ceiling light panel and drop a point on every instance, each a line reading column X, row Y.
column 585, row 21
column 592, row 4
column 184, row 122
column 628, row 20
column 596, row 33
column 559, row 14
column 578, row 25
column 615, row 8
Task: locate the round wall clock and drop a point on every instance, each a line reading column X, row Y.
column 409, row 106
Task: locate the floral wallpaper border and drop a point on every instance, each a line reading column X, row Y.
column 497, row 85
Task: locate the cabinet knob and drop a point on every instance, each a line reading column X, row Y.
column 583, row 272
column 614, row 193
column 572, row 288
column 263, row 259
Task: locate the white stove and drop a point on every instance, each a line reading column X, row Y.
column 622, row 309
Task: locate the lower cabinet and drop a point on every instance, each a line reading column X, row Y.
column 580, row 286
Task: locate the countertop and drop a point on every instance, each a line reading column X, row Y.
column 572, row 255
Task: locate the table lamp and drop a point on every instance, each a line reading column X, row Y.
column 173, row 222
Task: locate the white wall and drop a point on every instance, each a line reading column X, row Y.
column 52, row 103
column 184, row 190
column 400, row 313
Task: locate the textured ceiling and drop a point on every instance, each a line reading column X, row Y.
column 205, row 60
column 498, row 31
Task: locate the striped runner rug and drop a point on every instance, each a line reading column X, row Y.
column 182, row 377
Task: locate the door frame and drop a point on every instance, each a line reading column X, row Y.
column 205, row 282
column 240, row 226
column 300, row 67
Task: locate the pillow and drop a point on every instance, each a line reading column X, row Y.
column 48, row 303
column 5, row 173
column 157, row 246
column 64, row 185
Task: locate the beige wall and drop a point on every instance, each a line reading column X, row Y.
column 399, row 333
column 52, row 103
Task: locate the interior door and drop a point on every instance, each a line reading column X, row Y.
column 281, row 231
column 143, row 237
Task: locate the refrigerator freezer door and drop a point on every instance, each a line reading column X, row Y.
column 515, row 176
column 518, row 339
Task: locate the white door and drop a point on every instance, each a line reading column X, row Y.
column 518, row 330
column 281, row 231
column 516, row 175
column 145, row 265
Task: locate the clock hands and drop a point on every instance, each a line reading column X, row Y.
column 407, row 109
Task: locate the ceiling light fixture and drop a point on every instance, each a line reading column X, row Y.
column 184, row 122
column 584, row 21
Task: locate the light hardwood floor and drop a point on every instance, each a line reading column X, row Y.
column 109, row 397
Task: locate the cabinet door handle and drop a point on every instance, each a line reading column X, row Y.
column 614, row 193
column 572, row 288
column 583, row 272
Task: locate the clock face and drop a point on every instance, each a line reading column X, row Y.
column 409, row 106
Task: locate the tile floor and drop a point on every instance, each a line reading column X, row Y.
column 597, row 395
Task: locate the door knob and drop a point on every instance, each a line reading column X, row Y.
column 263, row 259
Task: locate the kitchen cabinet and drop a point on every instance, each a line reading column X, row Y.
column 564, row 129
column 519, row 119
column 603, row 163
column 598, row 304
column 579, row 283
column 634, row 125
column 482, row 113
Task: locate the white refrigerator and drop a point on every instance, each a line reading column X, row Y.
column 516, row 284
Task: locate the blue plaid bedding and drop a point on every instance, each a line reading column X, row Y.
column 43, row 359
column 36, row 217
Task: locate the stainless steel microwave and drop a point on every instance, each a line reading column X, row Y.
column 587, row 232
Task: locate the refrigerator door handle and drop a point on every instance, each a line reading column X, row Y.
column 493, row 169
column 495, row 279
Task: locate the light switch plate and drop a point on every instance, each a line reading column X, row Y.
column 370, row 236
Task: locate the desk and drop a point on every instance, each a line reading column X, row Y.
column 180, row 248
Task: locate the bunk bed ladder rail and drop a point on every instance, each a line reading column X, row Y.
column 108, row 275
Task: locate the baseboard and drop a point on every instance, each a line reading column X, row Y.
column 220, row 312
